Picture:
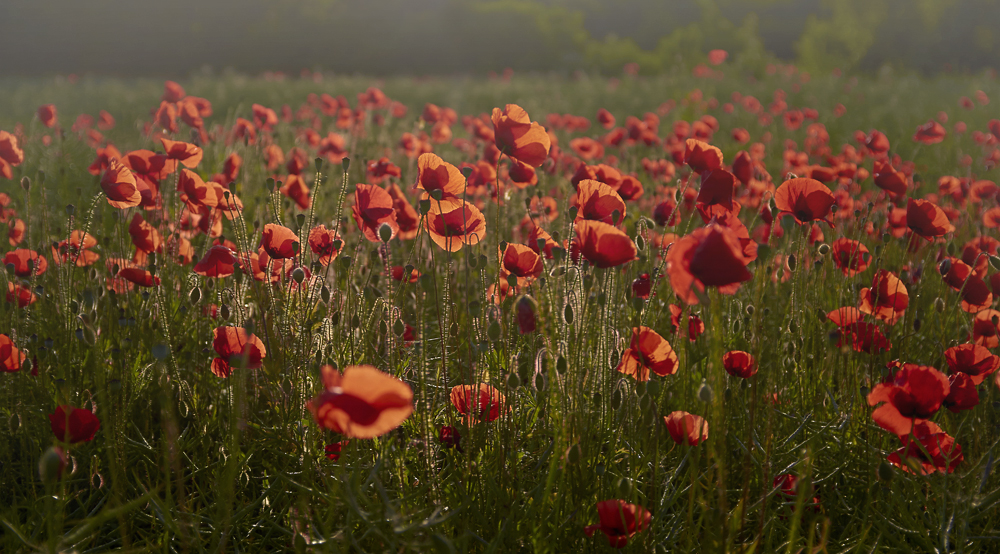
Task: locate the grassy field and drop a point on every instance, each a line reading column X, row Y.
column 192, row 379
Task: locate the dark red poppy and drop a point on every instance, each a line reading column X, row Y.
column 647, row 351
column 973, row 360
column 478, row 403
column 931, row 132
column 986, row 328
column 927, row 453
column 321, row 242
column 701, row 156
column 362, row 402
column 915, row 392
column 666, row 213
column 739, row 364
column 887, row 298
column 806, row 199
column 139, row 276
column 686, row 428
column 449, row 436
column 236, row 348
column 333, row 450
column 525, row 310
column 373, row 207
column 518, row 137
column 74, row 425
column 457, row 228
column 851, row 256
column 11, row 356
column 642, row 286
column 716, row 192
column 279, row 241
column 963, row 394
column 926, row 219
column 619, row 521
column 708, row 257
column 47, row 115
column 219, row 261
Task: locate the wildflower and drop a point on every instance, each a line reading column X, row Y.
column 237, row 348
column 619, row 521
column 477, row 403
column 686, row 428
column 362, row 402
column 74, row 425
column 647, row 351
column 518, row 137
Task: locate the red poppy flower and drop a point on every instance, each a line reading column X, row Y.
column 686, row 428
column 295, row 187
column 605, row 118
column 520, row 261
column 11, row 356
column 361, row 403
column 587, row 148
column 701, row 156
column 119, row 185
column 716, row 193
column 453, row 230
column 927, row 453
column 450, row 437
column 25, row 262
column 931, row 132
column 381, row 169
column 648, row 351
column 139, row 276
column 321, row 243
column 666, row 214
column 975, row 294
column 708, row 257
column 399, row 274
column 888, row 178
column 236, row 348
column 598, row 202
column 865, row 337
column 47, row 115
column 518, row 137
column 373, row 207
column 188, row 154
column 739, row 364
column 986, row 328
column 877, row 142
column 851, row 256
column 642, row 286
column 77, row 249
column 333, row 450
column 406, row 216
column 15, row 231
column 601, row 244
column 915, row 392
column 620, row 521
column 145, row 237
column 963, row 394
column 9, row 151
column 219, row 261
column 806, row 199
column 973, row 360
column 887, row 298
column 437, row 174
column 20, row 294
column 926, row 219
column 74, row 425
column 279, row 241
column 478, row 403
column 716, row 57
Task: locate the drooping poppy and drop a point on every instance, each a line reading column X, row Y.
column 525, row 310
column 601, row 244
column 321, row 242
column 915, row 392
column 457, row 228
column 279, row 241
column 433, row 173
column 11, row 356
column 806, row 199
column 518, row 137
column 25, row 262
column 186, row 153
column 119, row 185
column 219, row 261
column 74, row 425
column 647, row 351
column 973, row 360
column 139, row 276
column 686, row 428
column 701, row 156
column 927, row 453
column 478, row 403
column 887, row 298
column 927, row 219
column 707, row 257
column 739, row 364
column 361, row 403
column 373, row 208
column 236, row 348
column 850, row 256
column 619, row 521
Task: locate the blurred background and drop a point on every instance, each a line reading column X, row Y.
column 172, row 38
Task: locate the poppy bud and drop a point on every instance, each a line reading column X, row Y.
column 195, row 295
column 939, row 304
column 324, row 294
column 270, row 184
column 493, row 331
column 561, row 365
column 385, row 232
column 224, row 311
column 625, row 487
column 705, row 392
column 945, row 267
column 25, row 183
column 51, row 464
column 513, row 381
column 346, row 164
column 572, row 212
column 299, row 275
column 916, row 324
column 823, row 249
column 568, row 313
column 751, row 309
column 467, row 172
column 885, row 472
column 791, row 262
column 424, row 205
column 70, row 209
column 574, row 453
column 994, row 261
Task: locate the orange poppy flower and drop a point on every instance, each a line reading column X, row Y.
column 478, row 403
column 119, row 185
column 279, row 241
column 236, row 348
column 381, row 169
column 926, row 219
column 601, row 244
column 433, row 173
column 361, row 403
column 321, row 243
column 522, row 262
column 139, row 276
column 198, row 192
column 77, row 249
column 975, row 294
column 605, row 118
column 598, row 202
column 406, row 216
column 973, row 360
column 686, row 428
column 739, row 364
column 522, row 175
column 888, row 178
column 47, row 115
column 716, row 57
column 877, row 142
column 701, row 156
column 15, row 232
column 887, row 298
column 708, row 257
column 851, row 256
column 9, row 150
column 587, row 148
column 806, row 199
column 219, row 261
column 20, row 294
column 372, row 208
column 295, row 187
column 454, row 229
column 25, row 262
column 931, row 132
column 11, row 357
column 619, row 521
column 518, row 137
column 716, row 193
column 539, row 236
column 185, row 153
column 986, row 328
column 145, row 237
column 648, row 351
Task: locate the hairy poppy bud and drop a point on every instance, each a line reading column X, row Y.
column 385, row 232
column 945, row 267
column 939, row 304
column 705, row 392
column 51, row 464
column 26, row 183
column 299, row 275
column 823, row 249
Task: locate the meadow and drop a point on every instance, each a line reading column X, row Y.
column 701, row 312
